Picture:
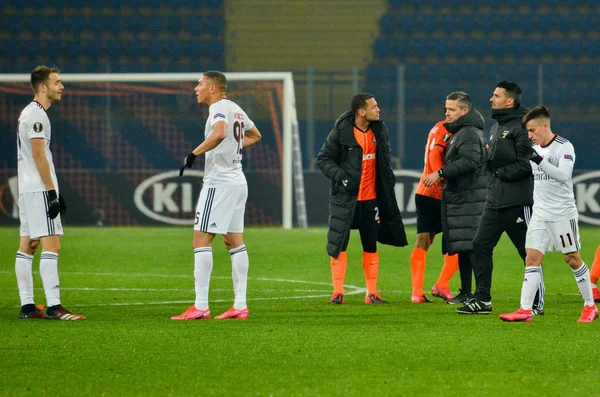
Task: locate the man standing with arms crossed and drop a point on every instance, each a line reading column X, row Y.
column 222, row 201
column 429, row 220
column 509, row 196
column 40, row 203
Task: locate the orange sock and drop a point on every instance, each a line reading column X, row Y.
column 418, row 260
column 450, row 267
column 595, row 271
column 370, row 263
column 338, row 272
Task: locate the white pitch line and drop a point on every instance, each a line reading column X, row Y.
column 353, row 290
column 165, row 289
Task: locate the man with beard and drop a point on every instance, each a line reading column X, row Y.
column 510, row 195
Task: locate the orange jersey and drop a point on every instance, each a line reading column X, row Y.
column 367, row 142
column 435, row 150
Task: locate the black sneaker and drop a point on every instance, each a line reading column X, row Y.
column 461, row 298
column 537, row 312
column 38, row 312
column 337, row 299
column 475, row 306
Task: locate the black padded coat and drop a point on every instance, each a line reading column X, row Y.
column 341, row 158
column 463, row 197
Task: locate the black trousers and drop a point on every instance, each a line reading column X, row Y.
column 366, row 220
column 494, row 222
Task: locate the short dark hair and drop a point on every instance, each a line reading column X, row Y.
column 359, row 101
column 41, row 75
column 512, row 90
column 218, row 78
column 538, row 112
column 463, row 99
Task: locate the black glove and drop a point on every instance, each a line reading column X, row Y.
column 187, row 162
column 63, row 204
column 53, row 204
column 535, row 157
column 347, row 183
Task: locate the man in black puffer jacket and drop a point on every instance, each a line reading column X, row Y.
column 356, row 157
column 465, row 178
column 510, row 194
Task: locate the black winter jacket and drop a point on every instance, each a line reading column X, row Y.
column 463, row 197
column 340, row 159
column 512, row 184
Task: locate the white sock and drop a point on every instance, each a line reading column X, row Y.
column 239, row 273
column 49, row 273
column 24, row 278
column 203, row 264
column 594, row 285
column 582, row 276
column 531, row 283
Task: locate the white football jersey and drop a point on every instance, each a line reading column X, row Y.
column 553, row 197
column 223, row 165
column 33, row 124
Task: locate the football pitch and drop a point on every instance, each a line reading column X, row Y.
column 128, row 282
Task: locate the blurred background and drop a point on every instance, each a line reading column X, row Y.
column 410, row 54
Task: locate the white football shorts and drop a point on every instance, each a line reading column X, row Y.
column 220, row 210
column 33, row 213
column 544, row 235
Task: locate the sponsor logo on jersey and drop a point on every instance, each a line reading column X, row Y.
column 369, row 156
column 168, row 198
column 568, row 157
column 38, row 127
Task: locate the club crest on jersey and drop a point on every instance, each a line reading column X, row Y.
column 446, row 138
column 221, row 115
column 38, row 127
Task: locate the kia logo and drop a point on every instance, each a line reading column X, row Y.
column 586, row 187
column 164, row 195
column 407, row 182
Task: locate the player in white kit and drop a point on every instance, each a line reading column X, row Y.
column 554, row 222
column 222, row 200
column 40, row 203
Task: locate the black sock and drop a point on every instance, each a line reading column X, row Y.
column 52, row 308
column 30, row 308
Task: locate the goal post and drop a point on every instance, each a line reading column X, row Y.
column 291, row 166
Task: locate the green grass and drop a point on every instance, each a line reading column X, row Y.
column 129, row 282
